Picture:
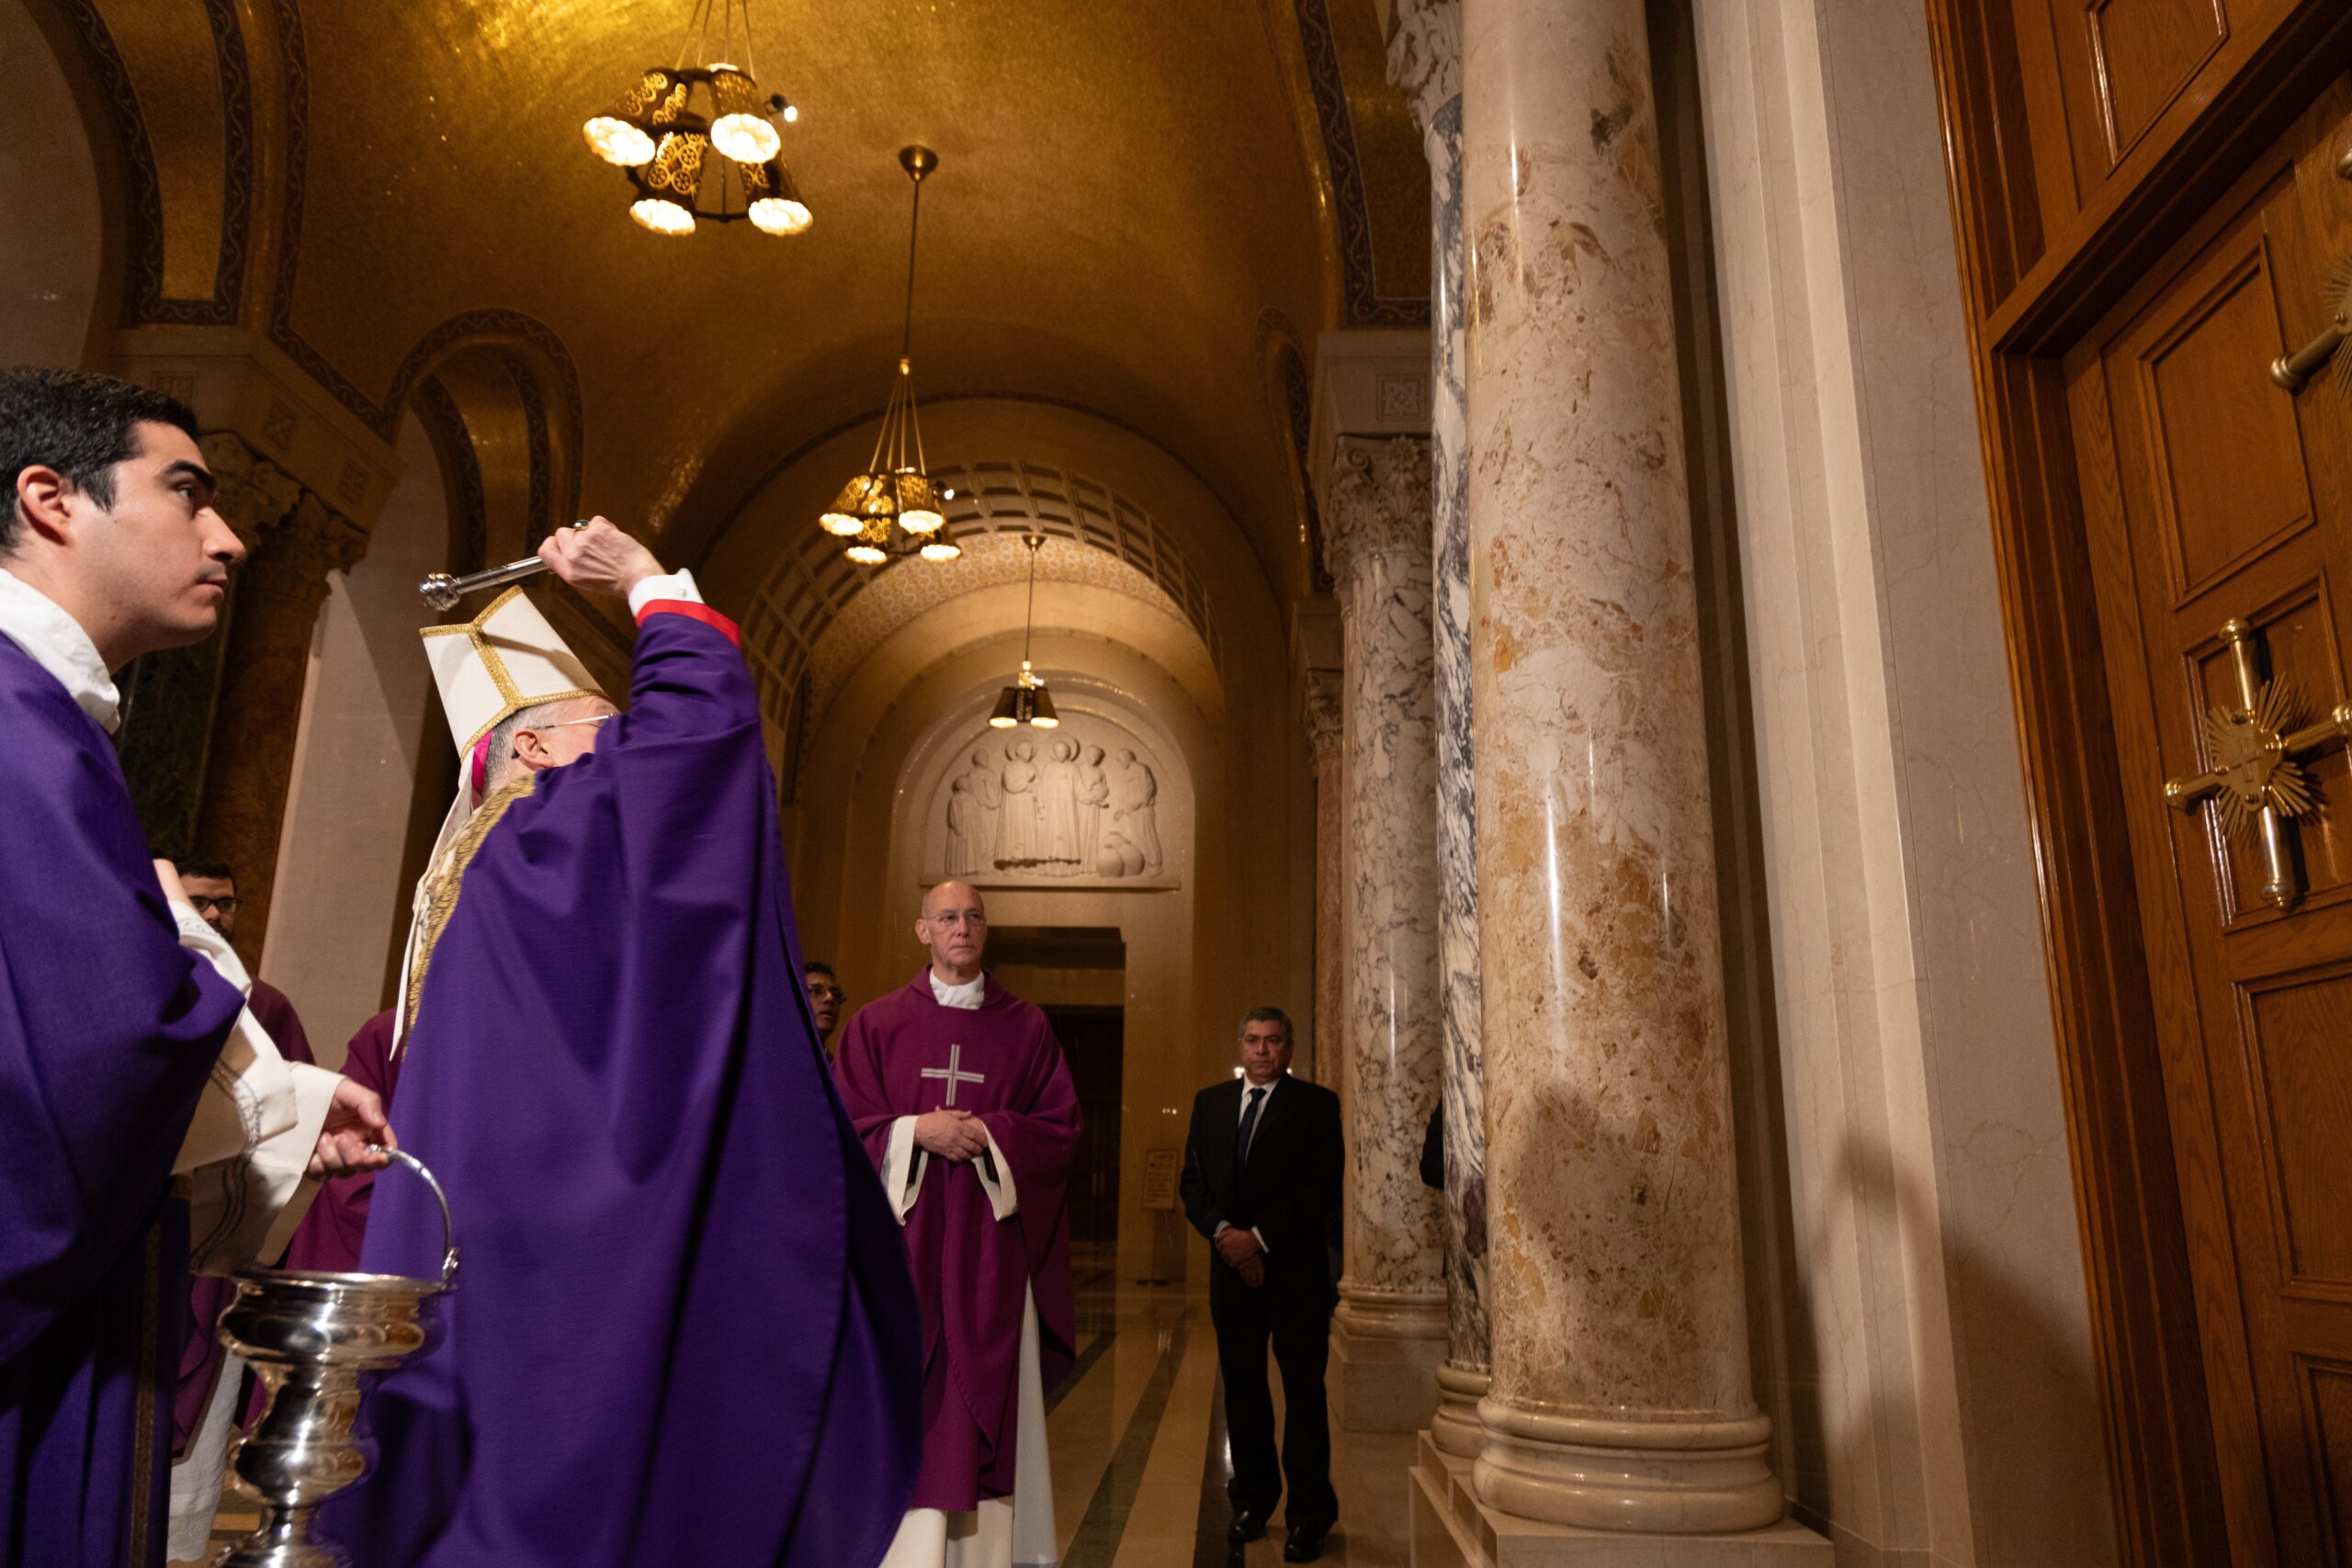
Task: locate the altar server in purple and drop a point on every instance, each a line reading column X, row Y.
column 960, row 1092
column 128, row 1056
column 685, row 1329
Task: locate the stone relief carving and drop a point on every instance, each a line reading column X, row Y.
column 1055, row 806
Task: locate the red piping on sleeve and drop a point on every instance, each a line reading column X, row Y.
column 693, row 612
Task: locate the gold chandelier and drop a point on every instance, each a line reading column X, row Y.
column 1025, row 702
column 703, row 141
column 892, row 509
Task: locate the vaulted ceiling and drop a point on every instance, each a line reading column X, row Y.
column 1139, row 206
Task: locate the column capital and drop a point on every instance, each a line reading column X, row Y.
column 1320, row 702
column 1378, row 502
column 1425, row 54
column 293, row 537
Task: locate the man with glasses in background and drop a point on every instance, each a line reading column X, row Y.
column 825, row 998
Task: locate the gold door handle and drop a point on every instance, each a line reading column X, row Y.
column 2293, row 371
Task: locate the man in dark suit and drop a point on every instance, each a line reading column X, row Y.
column 1261, row 1182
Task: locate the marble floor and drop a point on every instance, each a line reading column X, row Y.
column 1138, row 1437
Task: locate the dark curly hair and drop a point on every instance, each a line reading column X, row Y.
column 78, row 423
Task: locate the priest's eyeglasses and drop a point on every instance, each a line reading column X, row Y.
column 566, row 723
column 200, row 904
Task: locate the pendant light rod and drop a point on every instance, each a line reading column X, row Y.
column 1029, row 616
column 918, row 161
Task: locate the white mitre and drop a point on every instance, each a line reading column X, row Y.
column 493, row 666
column 488, row 669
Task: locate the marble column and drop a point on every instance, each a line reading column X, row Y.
column 1325, row 730
column 1620, row 1396
column 294, row 541
column 1389, row 1334
column 1425, row 59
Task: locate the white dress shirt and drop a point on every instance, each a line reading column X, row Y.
column 1264, row 1101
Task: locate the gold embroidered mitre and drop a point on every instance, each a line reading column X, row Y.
column 501, row 662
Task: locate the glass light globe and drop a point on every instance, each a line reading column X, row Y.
column 619, row 142
column 773, row 214
column 921, row 520
column 746, row 138
column 941, row 550
column 662, row 216
column 867, row 554
column 840, row 522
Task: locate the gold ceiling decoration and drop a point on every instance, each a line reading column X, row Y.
column 892, row 509
column 666, row 129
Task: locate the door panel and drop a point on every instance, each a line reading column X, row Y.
column 2213, row 496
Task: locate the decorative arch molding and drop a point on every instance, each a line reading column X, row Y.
column 815, row 589
column 146, row 302
column 1290, row 404
column 873, row 416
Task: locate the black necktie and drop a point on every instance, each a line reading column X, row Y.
column 1248, row 1125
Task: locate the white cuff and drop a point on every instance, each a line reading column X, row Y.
column 198, row 937
column 1261, row 1241
column 996, row 1179
column 903, row 1166
column 677, row 584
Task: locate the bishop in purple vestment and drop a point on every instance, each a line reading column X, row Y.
column 684, row 1330
column 965, row 1102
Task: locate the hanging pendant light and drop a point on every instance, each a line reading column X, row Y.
column 1025, row 702
column 892, row 509
column 666, row 129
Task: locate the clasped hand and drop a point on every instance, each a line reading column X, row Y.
column 952, row 1134
column 1242, row 1254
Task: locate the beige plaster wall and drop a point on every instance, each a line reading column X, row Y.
column 1937, row 1398
column 51, row 244
column 361, row 731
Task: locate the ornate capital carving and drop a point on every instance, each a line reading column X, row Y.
column 1425, row 54
column 1321, row 704
column 1379, row 501
column 293, row 539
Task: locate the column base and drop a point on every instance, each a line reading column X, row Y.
column 1451, row 1528
column 1690, row 1477
column 1456, row 1427
column 1387, row 1347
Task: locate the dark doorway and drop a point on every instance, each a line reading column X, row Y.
column 1095, row 1041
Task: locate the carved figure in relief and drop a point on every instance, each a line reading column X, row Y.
column 963, row 851
column 1093, row 788
column 974, row 820
column 1131, row 843
column 1058, row 809
column 1017, row 847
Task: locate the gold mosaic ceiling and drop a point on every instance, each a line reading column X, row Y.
column 1132, row 193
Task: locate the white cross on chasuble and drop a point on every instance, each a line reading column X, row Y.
column 953, row 1074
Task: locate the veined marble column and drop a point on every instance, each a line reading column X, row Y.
column 1389, row 1334
column 1325, row 730
column 1425, row 59
column 1620, row 1396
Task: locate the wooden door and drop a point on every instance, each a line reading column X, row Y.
column 1093, row 1042
column 2218, row 507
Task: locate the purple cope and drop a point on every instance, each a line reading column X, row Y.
column 683, row 1331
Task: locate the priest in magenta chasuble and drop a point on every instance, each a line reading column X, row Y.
column 975, row 1273
column 683, row 1331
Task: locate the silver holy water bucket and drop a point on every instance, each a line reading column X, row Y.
column 310, row 1336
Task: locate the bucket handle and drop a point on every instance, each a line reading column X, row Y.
column 448, row 1232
